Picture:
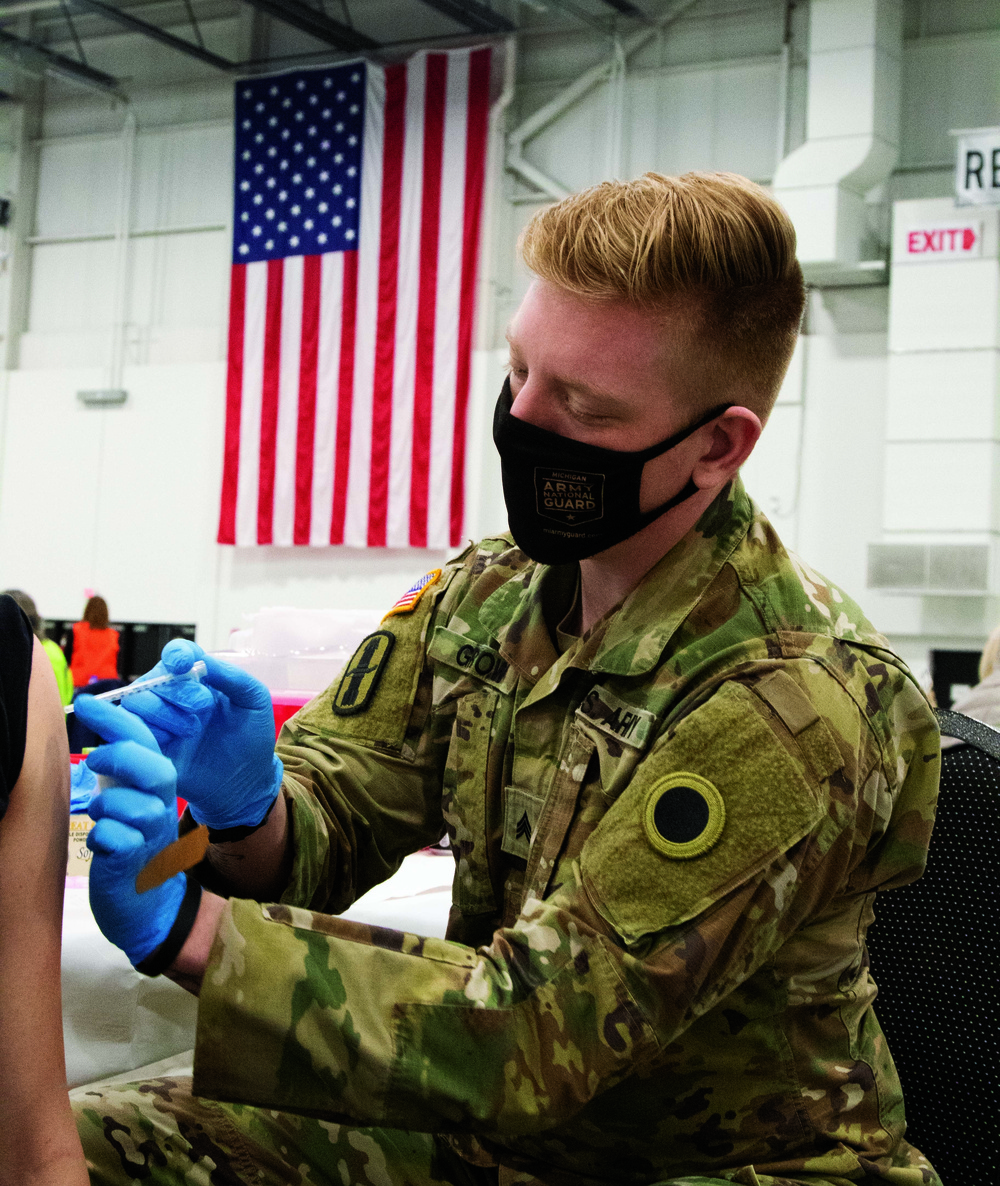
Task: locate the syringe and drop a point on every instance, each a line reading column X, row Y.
column 197, row 671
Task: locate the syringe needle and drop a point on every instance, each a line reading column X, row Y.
column 141, row 685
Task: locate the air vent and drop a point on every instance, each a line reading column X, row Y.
column 929, row 568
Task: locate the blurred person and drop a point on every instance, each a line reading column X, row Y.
column 38, row 1142
column 94, row 646
column 64, row 680
column 983, row 701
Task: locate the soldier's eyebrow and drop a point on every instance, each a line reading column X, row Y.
column 614, row 404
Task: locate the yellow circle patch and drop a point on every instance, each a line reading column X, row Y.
column 684, row 815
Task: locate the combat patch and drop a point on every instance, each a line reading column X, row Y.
column 616, row 717
column 684, row 815
column 361, row 677
column 478, row 660
column 411, row 598
column 771, row 800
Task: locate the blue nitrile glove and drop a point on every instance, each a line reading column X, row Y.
column 219, row 734
column 136, row 819
column 82, row 787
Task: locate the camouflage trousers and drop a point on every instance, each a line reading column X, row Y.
column 156, row 1133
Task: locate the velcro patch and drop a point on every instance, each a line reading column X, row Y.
column 614, row 716
column 361, row 677
column 410, row 599
column 479, row 660
column 684, row 815
column 521, row 810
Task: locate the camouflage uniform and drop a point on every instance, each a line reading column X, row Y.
column 668, row 841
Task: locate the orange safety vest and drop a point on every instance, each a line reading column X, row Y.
column 95, row 653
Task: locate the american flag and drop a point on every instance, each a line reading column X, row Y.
column 358, row 203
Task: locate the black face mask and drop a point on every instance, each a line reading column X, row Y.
column 567, row 500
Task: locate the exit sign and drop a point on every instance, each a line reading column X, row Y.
column 950, row 240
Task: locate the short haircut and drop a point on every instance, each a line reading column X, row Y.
column 96, row 613
column 714, row 246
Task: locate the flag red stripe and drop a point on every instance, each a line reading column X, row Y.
column 430, row 224
column 234, row 398
column 308, row 365
column 345, row 396
column 385, row 340
column 475, row 171
column 269, row 401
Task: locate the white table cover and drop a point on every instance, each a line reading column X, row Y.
column 116, row 1020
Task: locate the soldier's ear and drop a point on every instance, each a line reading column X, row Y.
column 730, row 441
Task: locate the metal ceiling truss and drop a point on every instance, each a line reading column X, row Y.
column 155, row 33
column 316, row 24
column 37, row 59
column 476, row 17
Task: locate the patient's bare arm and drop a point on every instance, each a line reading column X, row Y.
column 38, row 1141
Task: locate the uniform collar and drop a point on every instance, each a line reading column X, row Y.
column 630, row 638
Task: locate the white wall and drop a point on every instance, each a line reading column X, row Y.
column 125, row 500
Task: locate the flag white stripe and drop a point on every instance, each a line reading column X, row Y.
column 449, row 288
column 407, row 298
column 327, row 395
column 356, row 522
column 253, row 382
column 288, row 401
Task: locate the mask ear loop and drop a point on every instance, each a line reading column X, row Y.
column 691, row 488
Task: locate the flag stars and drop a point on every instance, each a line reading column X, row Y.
column 296, row 210
column 285, row 134
column 283, row 196
column 308, row 224
column 256, row 231
column 294, row 240
column 311, row 162
column 348, row 234
column 297, row 179
column 336, row 220
column 338, row 127
column 325, row 144
column 247, row 94
column 321, row 237
column 282, row 226
column 350, row 203
column 258, row 168
column 245, row 217
column 341, row 96
column 286, row 102
column 327, row 112
column 271, row 183
column 355, row 109
column 299, row 116
column 338, row 189
column 352, row 140
column 273, row 91
column 355, row 77
column 272, row 151
column 259, row 138
column 324, row 176
column 269, row 244
column 323, row 207
column 351, row 172
column 338, row 158
column 246, row 155
column 244, row 185
column 272, row 122
column 301, row 85
column 257, row 199
column 310, row 192
column 269, row 214
column 259, row 107
column 244, row 250
column 247, row 125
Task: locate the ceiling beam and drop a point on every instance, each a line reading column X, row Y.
column 476, row 17
column 37, row 59
column 316, row 24
column 155, row 33
column 626, row 8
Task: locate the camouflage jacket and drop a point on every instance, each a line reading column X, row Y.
column 668, row 840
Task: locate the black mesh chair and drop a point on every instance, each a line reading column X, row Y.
column 933, row 951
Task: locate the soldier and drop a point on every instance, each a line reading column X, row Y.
column 675, row 765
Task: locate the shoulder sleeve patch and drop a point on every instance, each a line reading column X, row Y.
column 410, row 599
column 707, row 809
column 362, row 674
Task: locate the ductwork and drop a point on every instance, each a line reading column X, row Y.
column 852, row 133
